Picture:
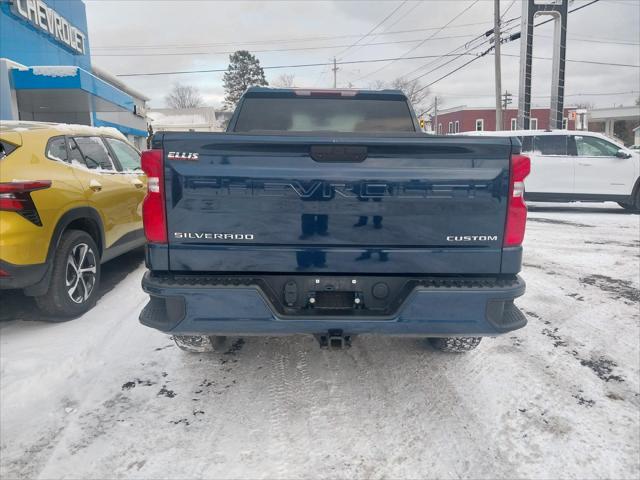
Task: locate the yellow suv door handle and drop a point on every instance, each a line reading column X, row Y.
column 95, row 185
column 137, row 183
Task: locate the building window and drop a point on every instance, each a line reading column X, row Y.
column 565, row 124
column 439, row 129
column 514, row 124
column 457, row 127
column 533, row 124
column 480, row 125
column 450, row 127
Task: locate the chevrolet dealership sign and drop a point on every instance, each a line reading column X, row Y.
column 46, row 19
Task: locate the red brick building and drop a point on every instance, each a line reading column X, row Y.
column 465, row 119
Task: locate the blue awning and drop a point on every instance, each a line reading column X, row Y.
column 77, row 82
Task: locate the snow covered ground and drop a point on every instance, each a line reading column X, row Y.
column 104, row 397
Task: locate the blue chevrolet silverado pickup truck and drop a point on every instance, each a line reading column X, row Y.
column 328, row 212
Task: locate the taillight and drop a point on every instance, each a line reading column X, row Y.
column 16, row 197
column 154, row 215
column 517, row 208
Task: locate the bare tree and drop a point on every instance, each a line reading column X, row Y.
column 378, row 85
column 183, row 96
column 586, row 105
column 414, row 91
column 286, row 80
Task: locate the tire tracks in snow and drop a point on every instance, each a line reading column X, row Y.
column 94, row 416
column 310, row 396
column 290, row 447
column 443, row 416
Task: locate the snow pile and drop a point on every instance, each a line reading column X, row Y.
column 57, row 71
column 199, row 119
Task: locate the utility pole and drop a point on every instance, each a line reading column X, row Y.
column 496, row 46
column 335, row 71
column 435, row 115
column 506, row 100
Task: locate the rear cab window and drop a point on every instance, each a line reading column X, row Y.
column 346, row 114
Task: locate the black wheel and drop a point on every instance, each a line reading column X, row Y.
column 199, row 343
column 75, row 277
column 455, row 344
column 632, row 207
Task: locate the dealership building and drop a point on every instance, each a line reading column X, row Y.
column 46, row 72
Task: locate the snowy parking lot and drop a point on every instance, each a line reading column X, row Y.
column 103, row 397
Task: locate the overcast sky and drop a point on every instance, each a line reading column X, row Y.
column 132, row 36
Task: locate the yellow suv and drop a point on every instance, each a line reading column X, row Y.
column 70, row 199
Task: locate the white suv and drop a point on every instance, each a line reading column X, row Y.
column 578, row 166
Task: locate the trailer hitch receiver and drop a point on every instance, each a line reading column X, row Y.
column 334, row 339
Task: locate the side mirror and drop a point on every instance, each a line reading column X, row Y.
column 623, row 154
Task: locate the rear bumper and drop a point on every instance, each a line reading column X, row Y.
column 197, row 305
column 21, row 276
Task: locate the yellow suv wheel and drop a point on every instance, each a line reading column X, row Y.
column 75, row 277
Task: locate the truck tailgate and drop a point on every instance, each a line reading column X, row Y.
column 274, row 203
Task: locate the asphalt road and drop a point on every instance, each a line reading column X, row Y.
column 103, row 397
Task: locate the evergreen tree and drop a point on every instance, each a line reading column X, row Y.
column 244, row 71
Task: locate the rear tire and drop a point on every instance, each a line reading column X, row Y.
column 75, row 278
column 634, row 205
column 199, row 343
column 455, row 344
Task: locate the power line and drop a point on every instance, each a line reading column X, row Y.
column 398, row 20
column 351, row 62
column 455, row 57
column 453, row 71
column 507, row 9
column 412, row 49
column 467, row 46
column 551, row 19
column 513, row 37
column 593, row 94
column 298, row 39
column 592, row 62
column 537, row 58
column 288, row 40
column 373, row 29
column 303, row 65
column 418, row 3
column 596, row 40
column 328, row 47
